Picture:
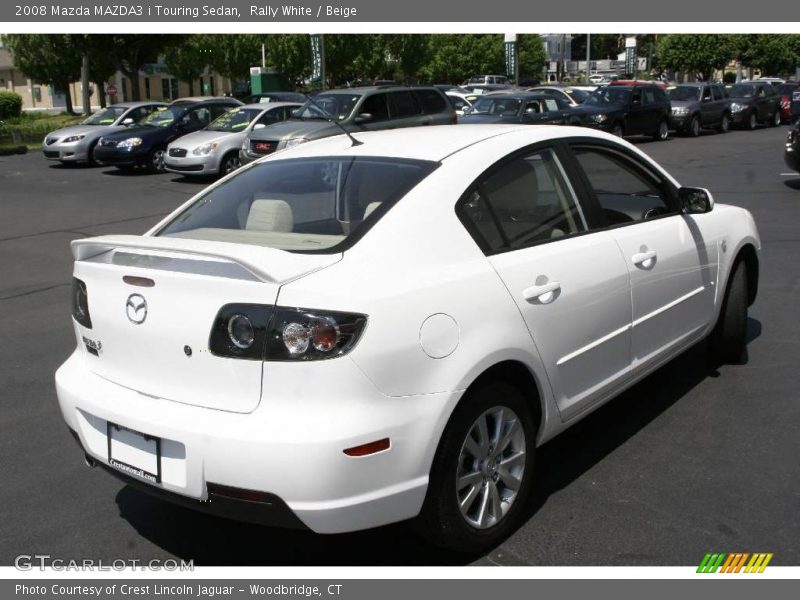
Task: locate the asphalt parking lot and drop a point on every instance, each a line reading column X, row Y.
column 686, row 462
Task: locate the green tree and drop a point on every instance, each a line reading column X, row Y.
column 102, row 66
column 774, row 54
column 456, row 57
column 290, row 55
column 532, row 56
column 187, row 59
column 232, row 55
column 695, row 53
column 47, row 58
column 131, row 52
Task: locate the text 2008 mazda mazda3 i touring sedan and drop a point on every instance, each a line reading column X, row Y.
column 359, row 331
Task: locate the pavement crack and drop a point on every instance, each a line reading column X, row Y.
column 36, row 291
column 30, row 235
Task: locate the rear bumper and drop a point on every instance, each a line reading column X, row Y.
column 290, row 447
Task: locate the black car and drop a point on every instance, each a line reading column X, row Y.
column 753, row 103
column 699, row 105
column 639, row 109
column 146, row 143
column 791, row 154
column 533, row 108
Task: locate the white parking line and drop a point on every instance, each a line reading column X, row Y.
column 789, row 174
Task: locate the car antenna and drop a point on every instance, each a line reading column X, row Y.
column 354, row 141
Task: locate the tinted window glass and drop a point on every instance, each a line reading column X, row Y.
column 706, row 93
column 431, row 101
column 375, row 106
column 626, row 191
column 717, row 92
column 404, row 105
column 525, row 201
column 648, row 96
column 302, row 205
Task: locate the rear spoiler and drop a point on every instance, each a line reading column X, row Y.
column 265, row 264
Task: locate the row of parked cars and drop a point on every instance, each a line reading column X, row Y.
column 201, row 136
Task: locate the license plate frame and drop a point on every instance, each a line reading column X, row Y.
column 120, row 436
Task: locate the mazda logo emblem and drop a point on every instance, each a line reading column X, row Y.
column 136, row 309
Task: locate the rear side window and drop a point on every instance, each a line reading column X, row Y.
column 404, row 105
column 525, row 201
column 309, row 205
column 431, row 101
column 649, row 95
column 718, row 91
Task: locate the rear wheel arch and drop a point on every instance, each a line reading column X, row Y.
column 747, row 254
column 521, row 377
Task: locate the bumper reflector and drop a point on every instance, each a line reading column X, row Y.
column 371, row 448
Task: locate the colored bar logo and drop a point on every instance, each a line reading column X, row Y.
column 735, row 562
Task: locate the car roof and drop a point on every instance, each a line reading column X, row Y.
column 429, row 143
column 199, row 99
column 263, row 105
column 138, row 103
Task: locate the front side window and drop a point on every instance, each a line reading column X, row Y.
column 307, row 205
column 626, row 191
column 376, row 107
column 327, row 106
column 404, row 105
column 523, row 202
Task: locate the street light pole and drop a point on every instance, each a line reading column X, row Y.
column 588, row 55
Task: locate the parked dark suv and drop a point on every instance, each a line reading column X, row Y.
column 354, row 110
column 699, row 105
column 636, row 109
column 145, row 144
column 753, row 103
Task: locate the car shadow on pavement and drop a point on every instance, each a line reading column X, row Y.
column 214, row 541
column 792, row 183
column 133, row 172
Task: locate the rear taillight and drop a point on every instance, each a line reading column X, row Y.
column 80, row 303
column 258, row 332
column 454, row 118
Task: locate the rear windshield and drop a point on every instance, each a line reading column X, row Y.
column 688, row 93
column 309, row 205
column 106, row 116
column 609, row 95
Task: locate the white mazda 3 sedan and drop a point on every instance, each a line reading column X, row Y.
column 358, row 331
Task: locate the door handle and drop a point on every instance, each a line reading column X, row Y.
column 544, row 294
column 645, row 260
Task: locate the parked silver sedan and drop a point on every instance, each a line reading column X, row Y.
column 76, row 144
column 215, row 149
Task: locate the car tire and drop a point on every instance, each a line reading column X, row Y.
column 464, row 505
column 752, row 121
column 155, row 160
column 229, row 163
column 776, row 118
column 694, row 127
column 662, row 133
column 724, row 124
column 618, row 130
column 90, row 159
column 728, row 339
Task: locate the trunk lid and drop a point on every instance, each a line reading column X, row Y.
column 192, row 281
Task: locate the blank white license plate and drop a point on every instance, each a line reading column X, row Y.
column 134, row 453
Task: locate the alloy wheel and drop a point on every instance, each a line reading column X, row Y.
column 231, row 164
column 491, row 466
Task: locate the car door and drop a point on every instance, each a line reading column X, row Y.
column 570, row 284
column 637, row 117
column 375, row 110
column 405, row 111
column 672, row 268
column 709, row 112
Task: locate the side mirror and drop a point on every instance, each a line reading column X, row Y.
column 127, row 121
column 695, row 200
column 466, row 110
column 363, row 118
column 258, row 126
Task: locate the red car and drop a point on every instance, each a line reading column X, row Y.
column 785, row 91
column 660, row 84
